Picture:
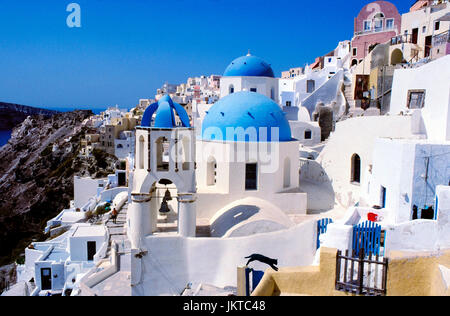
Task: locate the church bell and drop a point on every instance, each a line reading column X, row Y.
column 167, row 196
column 164, row 207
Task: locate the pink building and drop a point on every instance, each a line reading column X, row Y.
column 377, row 23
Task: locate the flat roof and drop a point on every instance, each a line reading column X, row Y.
column 89, row 231
column 57, row 255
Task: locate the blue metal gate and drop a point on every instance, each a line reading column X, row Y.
column 367, row 236
column 322, row 226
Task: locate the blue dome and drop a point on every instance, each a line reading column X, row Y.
column 246, row 110
column 249, row 66
column 165, row 116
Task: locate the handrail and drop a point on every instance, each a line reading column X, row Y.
column 401, row 39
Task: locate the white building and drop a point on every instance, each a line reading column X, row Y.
column 399, row 177
column 124, row 145
column 56, row 265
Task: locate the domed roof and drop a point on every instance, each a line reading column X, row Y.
column 246, row 110
column 249, row 66
column 165, row 116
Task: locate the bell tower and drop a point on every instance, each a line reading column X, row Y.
column 165, row 155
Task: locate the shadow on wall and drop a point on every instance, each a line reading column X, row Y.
column 231, row 218
column 319, row 188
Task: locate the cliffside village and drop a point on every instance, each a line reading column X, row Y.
column 338, row 170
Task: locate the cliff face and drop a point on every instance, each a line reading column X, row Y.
column 36, row 176
column 13, row 114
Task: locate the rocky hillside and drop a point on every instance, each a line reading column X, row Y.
column 36, row 176
column 13, row 114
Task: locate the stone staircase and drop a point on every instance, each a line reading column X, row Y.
column 118, row 284
column 348, row 93
column 117, row 231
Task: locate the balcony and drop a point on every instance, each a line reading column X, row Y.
column 375, row 30
column 402, row 39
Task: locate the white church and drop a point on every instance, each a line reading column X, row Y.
column 202, row 201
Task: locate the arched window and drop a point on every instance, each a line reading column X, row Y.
column 162, row 154
column 378, row 22
column 308, row 134
column 141, row 152
column 231, row 89
column 211, row 172
column 354, row 62
column 287, row 173
column 186, row 158
column 356, row 169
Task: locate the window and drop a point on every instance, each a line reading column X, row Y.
column 416, row 99
column 383, row 197
column 251, row 178
column 253, row 89
column 288, row 103
column 389, row 24
column 356, row 169
column 162, row 154
column 287, row 173
column 437, row 25
column 424, row 29
column 141, row 152
column 308, row 134
column 186, row 153
column 231, row 89
column 310, row 86
column 378, row 25
column 367, row 25
column 355, row 51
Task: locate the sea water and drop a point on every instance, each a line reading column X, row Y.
column 5, row 135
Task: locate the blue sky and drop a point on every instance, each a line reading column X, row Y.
column 125, row 50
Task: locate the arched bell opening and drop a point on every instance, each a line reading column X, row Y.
column 164, row 206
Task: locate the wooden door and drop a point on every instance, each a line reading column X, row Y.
column 415, row 35
column 91, row 250
column 46, row 279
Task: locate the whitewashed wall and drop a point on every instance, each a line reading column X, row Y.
column 357, row 136
column 172, row 262
column 84, row 189
column 433, row 77
column 264, row 85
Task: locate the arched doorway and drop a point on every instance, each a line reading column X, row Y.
column 396, row 57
